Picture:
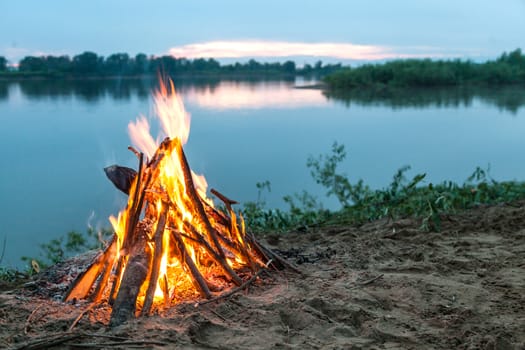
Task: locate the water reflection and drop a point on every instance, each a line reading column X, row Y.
column 4, row 92
column 92, row 90
column 262, row 93
column 510, row 98
column 244, row 95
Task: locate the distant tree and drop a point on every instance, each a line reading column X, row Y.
column 141, row 64
column 253, row 65
column 61, row 64
column 509, row 68
column 199, row 64
column 289, row 67
column 165, row 65
column 516, row 58
column 307, row 69
column 86, row 63
column 117, row 64
column 3, row 64
column 205, row 65
column 213, row 64
column 32, row 64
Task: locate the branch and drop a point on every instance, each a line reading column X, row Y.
column 234, row 290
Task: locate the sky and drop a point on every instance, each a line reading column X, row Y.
column 270, row 30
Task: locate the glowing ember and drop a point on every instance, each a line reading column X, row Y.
column 170, row 243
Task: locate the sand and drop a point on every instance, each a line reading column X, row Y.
column 383, row 285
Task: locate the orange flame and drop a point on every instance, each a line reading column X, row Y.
column 175, row 123
column 170, row 242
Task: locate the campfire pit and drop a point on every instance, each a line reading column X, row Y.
column 170, row 242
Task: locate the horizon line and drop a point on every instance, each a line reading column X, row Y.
column 272, row 49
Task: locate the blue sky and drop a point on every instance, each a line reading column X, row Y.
column 332, row 30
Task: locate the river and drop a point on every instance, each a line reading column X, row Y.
column 57, row 136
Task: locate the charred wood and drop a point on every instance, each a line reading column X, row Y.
column 122, row 177
column 135, row 273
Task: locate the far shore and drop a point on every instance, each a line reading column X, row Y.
column 186, row 76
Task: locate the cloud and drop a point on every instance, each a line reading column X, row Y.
column 261, row 48
column 14, row 54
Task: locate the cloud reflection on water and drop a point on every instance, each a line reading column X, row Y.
column 244, row 95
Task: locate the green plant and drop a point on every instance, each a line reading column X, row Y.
column 408, row 198
column 324, row 171
column 403, row 197
column 71, row 243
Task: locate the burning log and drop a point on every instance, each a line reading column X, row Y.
column 134, row 276
column 170, row 242
column 200, row 248
column 121, row 176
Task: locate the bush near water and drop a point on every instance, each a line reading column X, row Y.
column 509, row 68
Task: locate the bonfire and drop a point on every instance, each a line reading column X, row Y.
column 170, row 243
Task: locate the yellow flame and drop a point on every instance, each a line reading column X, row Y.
column 174, row 119
column 175, row 124
column 169, row 180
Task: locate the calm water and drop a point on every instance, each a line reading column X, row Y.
column 56, row 137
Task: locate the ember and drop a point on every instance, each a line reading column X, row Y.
column 170, row 242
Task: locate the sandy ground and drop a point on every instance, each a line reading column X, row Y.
column 384, row 285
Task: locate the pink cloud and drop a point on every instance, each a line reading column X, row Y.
column 261, row 48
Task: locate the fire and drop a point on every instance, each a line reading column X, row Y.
column 170, row 242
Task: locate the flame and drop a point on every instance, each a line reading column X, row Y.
column 170, row 242
column 170, row 180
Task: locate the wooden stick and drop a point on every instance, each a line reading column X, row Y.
column 135, row 273
column 47, row 342
column 370, row 281
column 271, row 255
column 218, row 216
column 228, row 203
column 28, row 321
column 155, row 264
column 83, row 283
column 79, row 317
column 144, row 177
column 166, row 290
column 234, row 229
column 241, row 239
column 218, row 259
column 199, row 281
column 264, row 250
column 134, row 150
column 192, row 193
column 117, row 277
column 209, row 231
column 118, row 344
column 108, row 268
column 234, row 290
column 200, row 239
column 223, row 198
column 133, row 217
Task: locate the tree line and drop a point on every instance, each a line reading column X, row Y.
column 509, row 68
column 121, row 64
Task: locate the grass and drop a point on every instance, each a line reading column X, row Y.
column 54, row 251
